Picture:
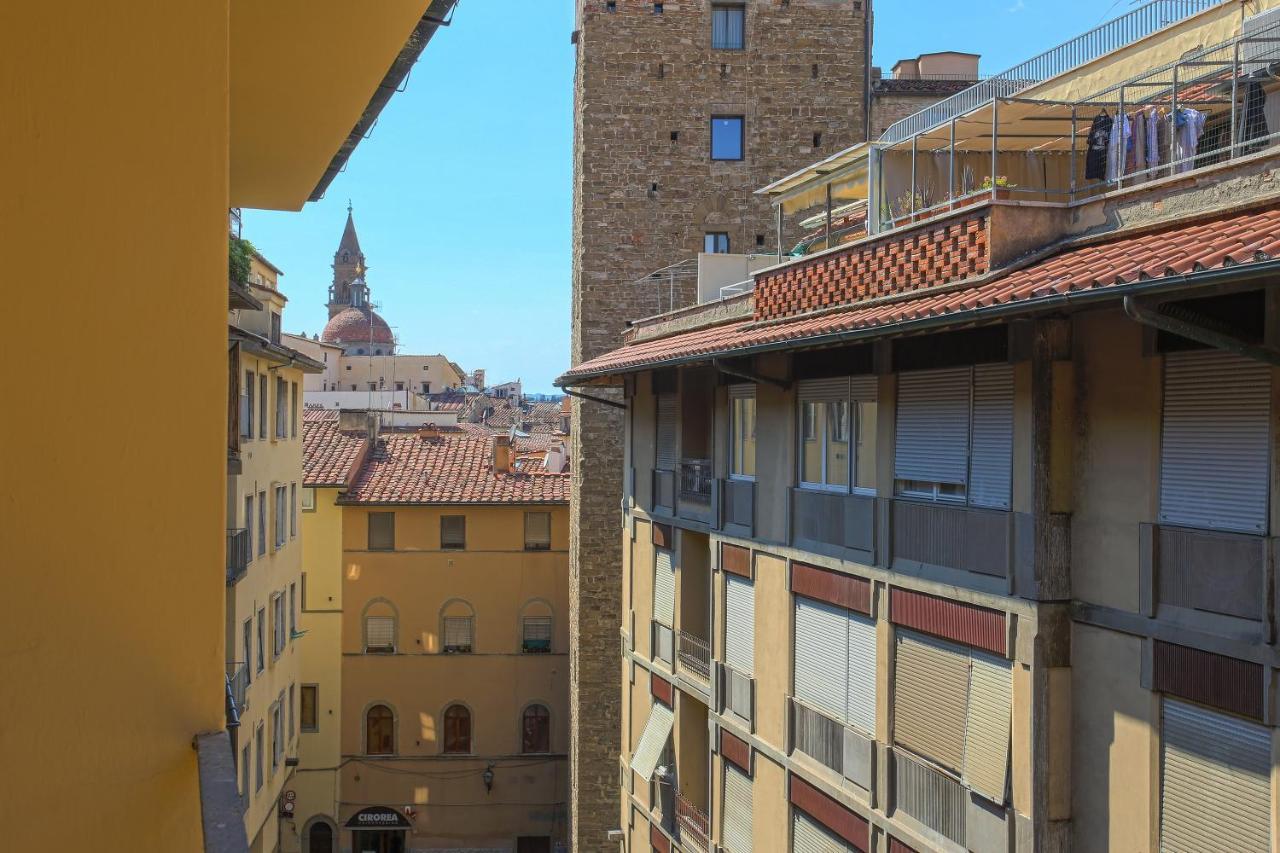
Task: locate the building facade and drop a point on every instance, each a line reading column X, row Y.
column 437, row 691
column 953, row 537
column 682, row 109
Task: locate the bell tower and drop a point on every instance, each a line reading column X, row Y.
column 348, row 289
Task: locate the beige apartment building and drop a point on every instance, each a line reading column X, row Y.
column 955, row 535
column 435, row 681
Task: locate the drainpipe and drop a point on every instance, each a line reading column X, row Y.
column 1181, row 322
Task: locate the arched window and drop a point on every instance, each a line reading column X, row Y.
column 379, row 731
column 457, row 730
column 535, row 729
column 320, row 837
column 360, row 351
column 457, row 627
column 535, row 627
column 379, row 627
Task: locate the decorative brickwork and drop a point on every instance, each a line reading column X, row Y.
column 930, row 256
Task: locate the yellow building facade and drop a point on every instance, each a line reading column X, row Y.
column 115, row 689
column 443, row 668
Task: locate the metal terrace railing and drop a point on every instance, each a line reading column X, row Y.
column 695, row 829
column 669, row 284
column 693, row 655
column 1113, row 35
column 239, row 552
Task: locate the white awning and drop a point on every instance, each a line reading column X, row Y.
column 654, row 738
column 846, row 172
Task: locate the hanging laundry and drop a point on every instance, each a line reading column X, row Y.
column 1118, row 148
column 1137, row 160
column 1153, row 117
column 1253, row 124
column 1095, row 158
column 1188, row 124
column 1164, row 133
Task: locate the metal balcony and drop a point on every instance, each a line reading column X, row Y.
column 694, row 827
column 239, row 553
column 693, row 655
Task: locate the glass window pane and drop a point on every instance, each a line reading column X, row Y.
column 813, row 416
column 726, row 138
column 865, row 463
column 838, row 444
column 716, row 242
column 727, row 27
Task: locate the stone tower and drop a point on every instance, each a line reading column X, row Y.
column 646, row 194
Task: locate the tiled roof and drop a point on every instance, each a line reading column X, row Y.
column 329, row 455
column 452, row 469
column 900, row 86
column 534, row 442
column 314, row 412
column 1175, row 250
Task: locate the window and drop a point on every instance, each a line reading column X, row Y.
column 248, row 648
column 954, row 435
column 262, row 639
column 262, row 405
column 453, row 531
column 246, row 406
column 657, row 8
column 244, row 774
column 308, row 499
column 458, row 634
column 248, row 521
column 728, row 27
column 262, row 523
column 277, row 733
column 716, row 243
column 837, row 433
column 379, row 628
column 726, row 138
column 277, row 625
column 275, row 327
column 457, row 730
column 293, row 609
column 535, row 634
column 293, row 510
column 537, row 531
column 535, row 729
column 739, row 623
column 282, row 407
column 292, row 731
column 258, row 754
column 736, row 820
column 308, row 708
column 281, row 519
column 379, row 731
column 382, row 531
column 742, row 428
column 399, row 386
column 835, row 664
column 293, row 409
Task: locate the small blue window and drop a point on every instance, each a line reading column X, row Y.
column 726, row 138
column 715, row 242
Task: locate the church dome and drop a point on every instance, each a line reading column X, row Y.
column 351, row 327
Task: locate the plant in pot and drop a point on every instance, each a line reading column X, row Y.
column 908, row 206
column 1001, row 185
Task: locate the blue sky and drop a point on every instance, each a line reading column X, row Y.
column 462, row 194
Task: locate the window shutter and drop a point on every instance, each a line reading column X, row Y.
column 824, row 390
column 864, row 388
column 1215, row 781
column 986, row 749
column 820, row 676
column 740, row 624
column 809, row 836
column 991, row 456
column 931, row 686
column 861, row 688
column 457, row 633
column 735, row 833
column 932, row 433
column 664, row 588
column 1214, row 461
column 380, row 632
column 668, row 405
column 653, row 740
column 742, row 391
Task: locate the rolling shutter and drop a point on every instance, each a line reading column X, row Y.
column 1215, row 781
column 824, row 390
column 652, row 740
column 735, row 831
column 986, row 749
column 932, row 435
column 1214, row 441
column 863, row 388
column 380, row 632
column 991, row 455
column 668, row 409
column 742, row 391
column 861, row 688
column 931, row 687
column 809, row 836
column 739, row 624
column 821, row 677
column 664, row 588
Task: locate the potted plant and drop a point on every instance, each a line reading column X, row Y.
column 908, row 206
column 1001, row 186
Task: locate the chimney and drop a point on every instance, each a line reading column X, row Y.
column 502, row 453
column 360, row 421
column 429, row 432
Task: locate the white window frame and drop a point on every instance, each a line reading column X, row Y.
column 280, row 534
column 277, row 625
column 745, row 391
column 308, row 499
column 293, row 510
column 854, row 427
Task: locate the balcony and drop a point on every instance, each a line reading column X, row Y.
column 693, row 656
column 239, row 553
column 692, row 824
column 238, row 683
column 695, row 490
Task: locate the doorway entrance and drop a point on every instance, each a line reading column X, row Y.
column 378, row 841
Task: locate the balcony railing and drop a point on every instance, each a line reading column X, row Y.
column 238, row 682
column 693, row 655
column 239, row 553
column 693, row 824
column 695, row 481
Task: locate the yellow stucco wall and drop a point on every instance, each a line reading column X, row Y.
column 112, row 520
column 412, row 370
column 773, row 648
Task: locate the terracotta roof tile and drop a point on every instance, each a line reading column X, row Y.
column 1179, row 249
column 452, row 469
column 315, row 412
column 329, row 455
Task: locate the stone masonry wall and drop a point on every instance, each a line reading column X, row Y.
column 645, row 192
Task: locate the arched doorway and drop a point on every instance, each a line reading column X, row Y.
column 319, row 836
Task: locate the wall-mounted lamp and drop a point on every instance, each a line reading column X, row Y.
column 487, row 776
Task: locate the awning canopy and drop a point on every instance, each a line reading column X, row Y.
column 846, row 172
column 652, row 741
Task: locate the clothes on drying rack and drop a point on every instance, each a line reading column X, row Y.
column 1118, row 147
column 1095, row 158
